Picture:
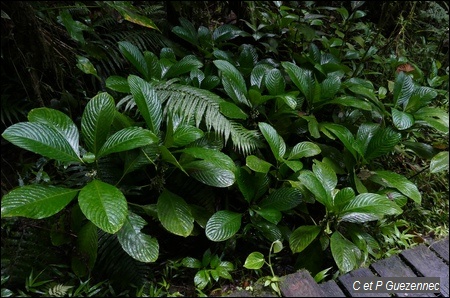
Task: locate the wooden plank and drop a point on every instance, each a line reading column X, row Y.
column 348, row 279
column 331, row 289
column 395, row 267
column 441, row 248
column 427, row 263
column 300, row 284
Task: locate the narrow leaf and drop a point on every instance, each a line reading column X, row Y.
column 275, row 141
column 282, row 199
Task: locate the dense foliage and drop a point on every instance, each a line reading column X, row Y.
column 204, row 145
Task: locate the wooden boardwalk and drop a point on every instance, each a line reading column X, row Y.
column 419, row 261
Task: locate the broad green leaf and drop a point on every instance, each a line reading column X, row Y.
column 277, row 246
column 302, row 237
column 434, row 117
column 382, row 142
column 186, row 31
column 330, row 86
column 345, row 252
column 233, row 82
column 282, row 199
column 96, row 121
column 167, row 156
column 210, row 173
column 41, row 139
column 147, row 102
column 202, row 279
column 175, row 214
column 223, row 225
column 364, row 135
column 439, row 162
column 275, row 141
column 368, row 206
column 127, row 139
column 213, row 156
column 186, row 134
column 86, row 66
column 258, row 73
column 403, row 89
column 271, row 215
column 138, row 245
column 304, row 149
column 254, row 261
column 135, row 57
column 155, row 68
column 104, row 205
column 191, row 262
column 230, row 110
column 422, row 150
column 401, row 119
column 351, row 101
column 325, row 174
column 225, row 32
column 421, row 97
column 131, row 14
column 394, row 180
column 85, row 250
column 290, row 99
column 313, row 126
column 36, row 201
column 256, row 164
column 343, row 134
column 344, row 196
column 294, row 165
column 246, row 183
column 274, row 82
column 74, row 28
column 135, row 159
column 310, row 181
column 186, row 64
column 302, row 78
column 118, row 83
column 58, row 121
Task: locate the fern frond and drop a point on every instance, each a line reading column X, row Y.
column 202, row 105
column 59, row 290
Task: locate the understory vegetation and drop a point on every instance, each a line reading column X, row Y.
column 171, row 148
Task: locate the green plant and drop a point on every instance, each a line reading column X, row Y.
column 210, row 269
column 255, row 261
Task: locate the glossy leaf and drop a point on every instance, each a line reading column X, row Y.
column 401, row 119
column 186, row 134
column 230, row 110
column 36, row 201
column 368, row 206
column 394, row 180
column 175, row 214
column 223, row 225
column 118, row 83
column 186, row 64
column 127, row 139
column 41, row 139
column 325, row 174
column 254, row 261
column 345, row 253
column 210, row 173
column 439, row 162
column 135, row 159
column 104, row 205
column 275, row 141
column 136, row 244
column 147, row 102
column 213, row 156
column 256, row 164
column 310, row 181
column 86, row 66
column 135, row 57
column 271, row 215
column 382, row 142
column 96, row 121
column 282, row 199
column 343, row 196
column 302, row 78
column 302, row 237
column 258, row 73
column 233, row 82
column 304, row 149
column 274, row 82
column 403, row 89
column 434, row 117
